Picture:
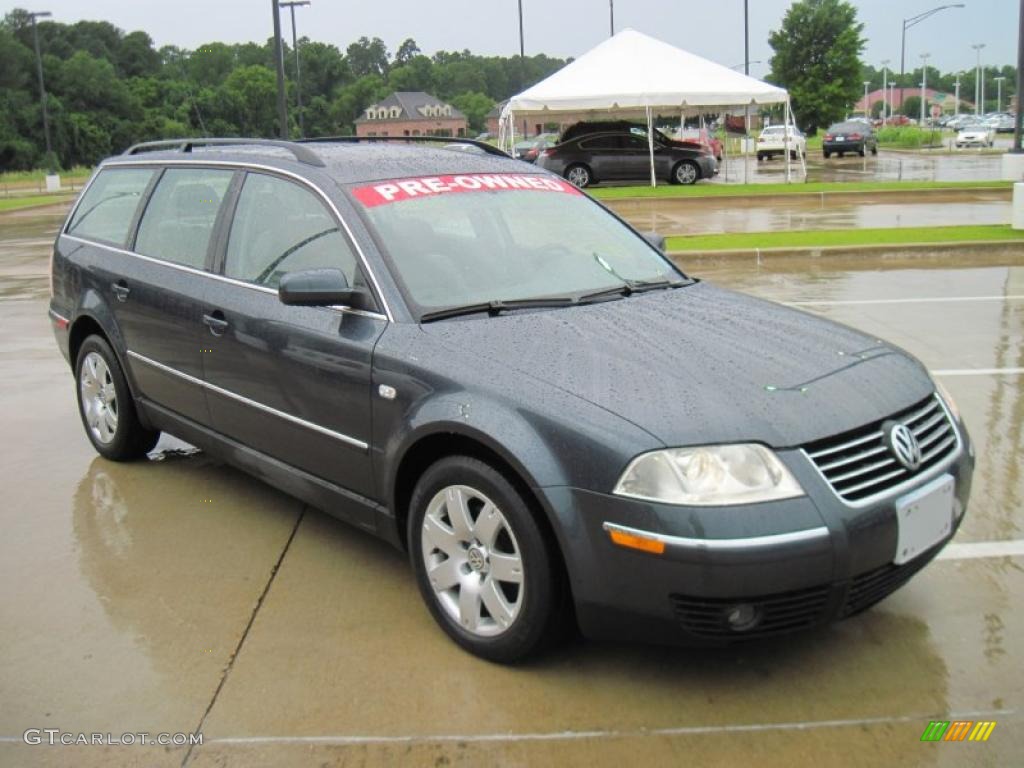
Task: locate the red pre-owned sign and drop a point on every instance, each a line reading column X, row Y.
column 399, row 190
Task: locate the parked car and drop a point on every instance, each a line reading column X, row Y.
column 775, row 138
column 976, row 134
column 851, row 136
column 480, row 364
column 529, row 151
column 702, row 137
column 621, row 155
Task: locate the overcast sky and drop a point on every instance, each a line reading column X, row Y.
column 711, row 28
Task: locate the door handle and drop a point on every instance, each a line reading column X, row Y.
column 215, row 322
column 121, row 290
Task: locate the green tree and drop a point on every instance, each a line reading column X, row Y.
column 817, row 59
column 367, row 57
column 406, row 51
column 911, row 106
column 475, row 106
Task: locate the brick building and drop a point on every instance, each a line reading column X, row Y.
column 411, row 113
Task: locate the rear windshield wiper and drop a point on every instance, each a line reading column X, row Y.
column 497, row 306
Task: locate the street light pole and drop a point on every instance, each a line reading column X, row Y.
column 867, row 111
column 956, row 98
column 1019, row 114
column 885, row 89
column 290, row 5
column 977, row 79
column 924, row 83
column 611, row 18
column 999, row 92
column 282, row 105
column 907, row 24
column 39, row 70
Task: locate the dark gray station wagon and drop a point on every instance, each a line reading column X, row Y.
column 470, row 358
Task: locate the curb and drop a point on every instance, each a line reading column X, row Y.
column 990, row 247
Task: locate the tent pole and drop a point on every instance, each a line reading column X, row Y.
column 745, row 149
column 785, row 140
column 650, row 144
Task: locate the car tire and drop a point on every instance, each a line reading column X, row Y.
column 466, row 511
column 874, row 150
column 760, row 157
column 579, row 175
column 106, row 406
column 861, row 152
column 827, row 154
column 685, row 172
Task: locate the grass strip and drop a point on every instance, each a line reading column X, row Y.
column 842, row 237
column 754, row 190
column 17, row 203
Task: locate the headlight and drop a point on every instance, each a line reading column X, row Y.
column 709, row 475
column 947, row 399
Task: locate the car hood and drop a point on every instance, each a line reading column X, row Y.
column 701, row 364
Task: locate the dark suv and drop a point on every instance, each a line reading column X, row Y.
column 594, row 152
column 475, row 361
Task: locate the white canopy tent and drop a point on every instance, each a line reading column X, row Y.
column 632, row 75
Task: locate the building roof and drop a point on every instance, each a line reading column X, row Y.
column 411, row 103
column 945, row 100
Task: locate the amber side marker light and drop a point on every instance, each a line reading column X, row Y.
column 642, row 543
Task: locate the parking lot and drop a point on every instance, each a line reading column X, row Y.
column 177, row 594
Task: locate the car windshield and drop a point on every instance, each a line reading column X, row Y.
column 490, row 238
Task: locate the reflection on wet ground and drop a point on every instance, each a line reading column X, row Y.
column 887, row 166
column 827, row 211
column 163, row 594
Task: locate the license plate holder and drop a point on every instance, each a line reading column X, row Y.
column 924, row 518
column 840, row 138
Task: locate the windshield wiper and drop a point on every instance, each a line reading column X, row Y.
column 628, row 288
column 497, row 306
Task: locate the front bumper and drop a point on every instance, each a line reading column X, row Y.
column 801, row 562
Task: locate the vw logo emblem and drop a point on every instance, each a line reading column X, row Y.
column 476, row 558
column 904, row 446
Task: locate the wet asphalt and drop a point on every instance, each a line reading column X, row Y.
column 176, row 593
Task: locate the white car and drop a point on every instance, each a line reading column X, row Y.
column 772, row 141
column 976, row 135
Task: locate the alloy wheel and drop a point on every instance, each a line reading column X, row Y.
column 579, row 176
column 99, row 397
column 472, row 561
column 686, row 173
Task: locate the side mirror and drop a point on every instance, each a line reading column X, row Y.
column 658, row 241
column 317, row 288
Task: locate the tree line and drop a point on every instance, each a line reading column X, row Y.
column 108, row 89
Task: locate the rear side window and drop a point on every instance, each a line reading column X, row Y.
column 109, row 205
column 602, row 142
column 280, row 227
column 179, row 218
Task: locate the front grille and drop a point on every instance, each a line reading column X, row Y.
column 859, row 464
column 778, row 613
column 868, row 588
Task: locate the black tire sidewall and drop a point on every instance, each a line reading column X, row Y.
column 130, row 438
column 533, row 626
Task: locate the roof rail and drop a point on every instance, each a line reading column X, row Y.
column 488, row 148
column 301, row 153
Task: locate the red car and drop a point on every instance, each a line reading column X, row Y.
column 702, row 137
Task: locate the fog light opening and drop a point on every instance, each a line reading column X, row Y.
column 742, row 617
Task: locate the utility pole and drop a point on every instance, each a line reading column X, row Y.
column 290, row 5
column 746, row 37
column 39, row 70
column 924, row 83
column 611, row 18
column 1019, row 116
column 977, row 79
column 282, row 105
